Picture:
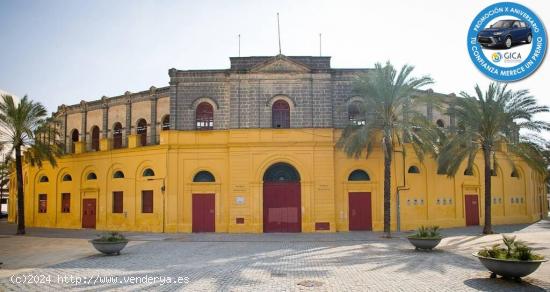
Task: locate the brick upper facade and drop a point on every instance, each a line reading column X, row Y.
column 241, row 97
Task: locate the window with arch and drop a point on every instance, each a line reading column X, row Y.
column 67, row 177
column 281, row 172
column 514, row 173
column 95, row 138
column 204, row 176
column 118, row 174
column 165, row 123
column 141, row 131
column 75, row 136
column 280, row 114
column 204, row 116
column 469, row 172
column 117, row 135
column 355, row 114
column 91, row 176
column 358, row 175
column 44, row 179
column 413, row 169
column 148, row 172
column 440, row 123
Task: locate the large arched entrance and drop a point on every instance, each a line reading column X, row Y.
column 282, row 199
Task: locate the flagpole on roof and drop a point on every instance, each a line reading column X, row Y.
column 279, row 33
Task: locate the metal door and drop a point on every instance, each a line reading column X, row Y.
column 360, row 211
column 471, row 206
column 88, row 213
column 204, row 215
column 282, row 207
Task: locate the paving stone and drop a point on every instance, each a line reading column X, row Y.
column 352, row 261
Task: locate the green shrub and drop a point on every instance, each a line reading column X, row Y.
column 429, row 232
column 111, row 237
column 513, row 250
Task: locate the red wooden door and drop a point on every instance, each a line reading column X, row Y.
column 204, row 214
column 282, row 207
column 471, row 206
column 360, row 211
column 88, row 213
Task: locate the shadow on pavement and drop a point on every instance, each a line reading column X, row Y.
column 501, row 284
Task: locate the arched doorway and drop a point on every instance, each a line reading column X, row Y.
column 282, row 210
column 117, row 135
column 74, row 138
column 280, row 114
column 95, row 138
column 141, row 131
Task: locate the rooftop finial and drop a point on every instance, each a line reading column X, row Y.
column 239, row 45
column 279, row 33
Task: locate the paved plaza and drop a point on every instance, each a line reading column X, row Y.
column 354, row 261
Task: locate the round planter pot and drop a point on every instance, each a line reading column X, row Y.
column 424, row 243
column 509, row 268
column 109, row 248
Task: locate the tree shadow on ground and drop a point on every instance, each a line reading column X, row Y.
column 502, row 284
column 226, row 265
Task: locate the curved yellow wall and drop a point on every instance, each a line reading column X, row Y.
column 238, row 160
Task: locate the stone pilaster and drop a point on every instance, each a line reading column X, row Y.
column 62, row 109
column 174, row 117
column 430, row 106
column 84, row 125
column 105, row 120
column 153, row 127
column 128, row 114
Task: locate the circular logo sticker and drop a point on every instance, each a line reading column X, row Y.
column 507, row 41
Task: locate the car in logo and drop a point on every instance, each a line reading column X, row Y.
column 505, row 33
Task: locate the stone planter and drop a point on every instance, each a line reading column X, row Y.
column 424, row 243
column 109, row 248
column 509, row 268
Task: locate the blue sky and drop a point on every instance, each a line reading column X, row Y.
column 65, row 51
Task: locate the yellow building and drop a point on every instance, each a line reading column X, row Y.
column 250, row 149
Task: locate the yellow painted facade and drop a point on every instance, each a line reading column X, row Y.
column 238, row 159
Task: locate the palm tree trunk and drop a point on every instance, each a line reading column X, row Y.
column 20, row 195
column 487, row 229
column 387, row 189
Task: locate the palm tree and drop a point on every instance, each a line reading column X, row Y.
column 485, row 120
column 21, row 127
column 389, row 119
